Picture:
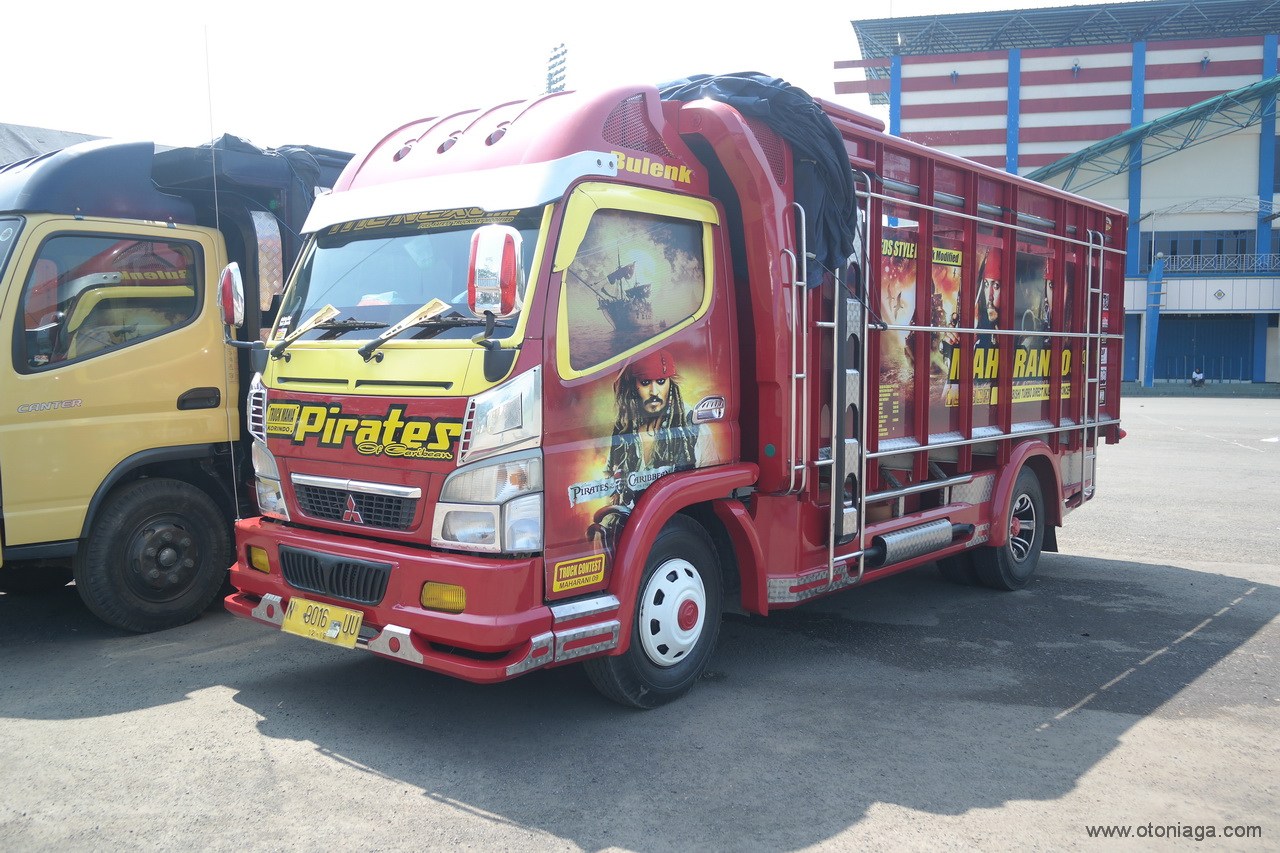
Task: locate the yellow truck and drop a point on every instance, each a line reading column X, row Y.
column 123, row 461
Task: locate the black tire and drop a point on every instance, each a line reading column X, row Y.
column 1011, row 565
column 34, row 578
column 156, row 556
column 958, row 569
column 676, row 624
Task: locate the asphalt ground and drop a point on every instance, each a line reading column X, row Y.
column 1134, row 684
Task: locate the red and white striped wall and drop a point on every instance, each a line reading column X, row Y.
column 1060, row 99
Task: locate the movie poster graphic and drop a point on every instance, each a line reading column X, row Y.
column 1032, row 304
column 944, row 312
column 1026, row 308
column 897, row 307
column 634, row 275
column 988, row 301
column 661, row 412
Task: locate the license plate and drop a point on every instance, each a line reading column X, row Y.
column 327, row 623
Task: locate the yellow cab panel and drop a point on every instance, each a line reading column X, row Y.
column 117, row 350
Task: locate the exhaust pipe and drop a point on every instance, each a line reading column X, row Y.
column 911, row 542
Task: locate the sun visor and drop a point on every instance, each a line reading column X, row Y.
column 503, row 188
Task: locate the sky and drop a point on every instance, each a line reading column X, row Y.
column 342, row 75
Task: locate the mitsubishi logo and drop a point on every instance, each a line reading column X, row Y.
column 352, row 515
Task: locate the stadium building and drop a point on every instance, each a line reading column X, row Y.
column 1166, row 109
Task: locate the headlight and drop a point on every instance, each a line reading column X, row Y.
column 264, row 464
column 270, row 493
column 495, row 507
column 522, row 524
column 508, row 417
column 494, row 483
column 475, row 528
column 271, row 500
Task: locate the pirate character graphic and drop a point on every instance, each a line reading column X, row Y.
column 653, row 434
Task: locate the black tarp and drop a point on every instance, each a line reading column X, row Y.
column 824, row 180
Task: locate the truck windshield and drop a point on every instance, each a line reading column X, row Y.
column 9, row 226
column 376, row 273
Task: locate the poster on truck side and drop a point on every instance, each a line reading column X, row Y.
column 897, row 307
column 1024, row 309
column 899, row 278
column 1033, row 306
column 944, row 312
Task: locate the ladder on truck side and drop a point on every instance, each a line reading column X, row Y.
column 846, row 456
column 1094, row 369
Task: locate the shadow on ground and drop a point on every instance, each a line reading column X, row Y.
column 909, row 692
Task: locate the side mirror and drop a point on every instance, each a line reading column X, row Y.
column 231, row 296
column 495, row 279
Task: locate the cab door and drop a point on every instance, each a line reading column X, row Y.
column 644, row 384
column 116, row 356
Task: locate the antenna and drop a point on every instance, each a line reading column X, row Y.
column 227, row 364
column 213, row 149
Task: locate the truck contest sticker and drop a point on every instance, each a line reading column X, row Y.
column 572, row 574
column 391, row 435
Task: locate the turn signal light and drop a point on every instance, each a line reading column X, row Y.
column 258, row 559
column 443, row 596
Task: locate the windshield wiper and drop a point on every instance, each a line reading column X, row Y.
column 324, row 315
column 426, row 312
column 349, row 325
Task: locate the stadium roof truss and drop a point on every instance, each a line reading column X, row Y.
column 1169, row 134
column 1065, row 26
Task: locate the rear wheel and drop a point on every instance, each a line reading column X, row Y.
column 1011, row 565
column 677, row 620
column 156, row 556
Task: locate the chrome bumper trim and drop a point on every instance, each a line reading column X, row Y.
column 260, row 612
column 541, row 651
column 613, row 628
column 384, row 489
column 381, row 644
column 551, row 646
column 582, row 609
column 783, row 590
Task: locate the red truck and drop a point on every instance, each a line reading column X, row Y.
column 563, row 380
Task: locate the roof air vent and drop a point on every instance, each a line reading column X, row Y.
column 628, row 126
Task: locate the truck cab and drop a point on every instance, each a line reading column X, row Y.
column 121, row 443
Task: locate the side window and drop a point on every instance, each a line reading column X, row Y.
column 634, row 276
column 89, row 294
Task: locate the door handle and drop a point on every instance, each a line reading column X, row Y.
column 200, row 398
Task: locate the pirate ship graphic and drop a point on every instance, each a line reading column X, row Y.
column 623, row 301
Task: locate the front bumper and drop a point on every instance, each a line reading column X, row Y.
column 505, row 630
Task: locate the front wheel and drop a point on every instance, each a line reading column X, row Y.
column 156, row 557
column 1011, row 565
column 677, row 621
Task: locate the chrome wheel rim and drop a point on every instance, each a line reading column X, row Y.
column 1022, row 527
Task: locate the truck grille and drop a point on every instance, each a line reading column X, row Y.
column 385, row 511
column 339, row 577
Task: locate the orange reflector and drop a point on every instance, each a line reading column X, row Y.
column 443, row 596
column 258, row 559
